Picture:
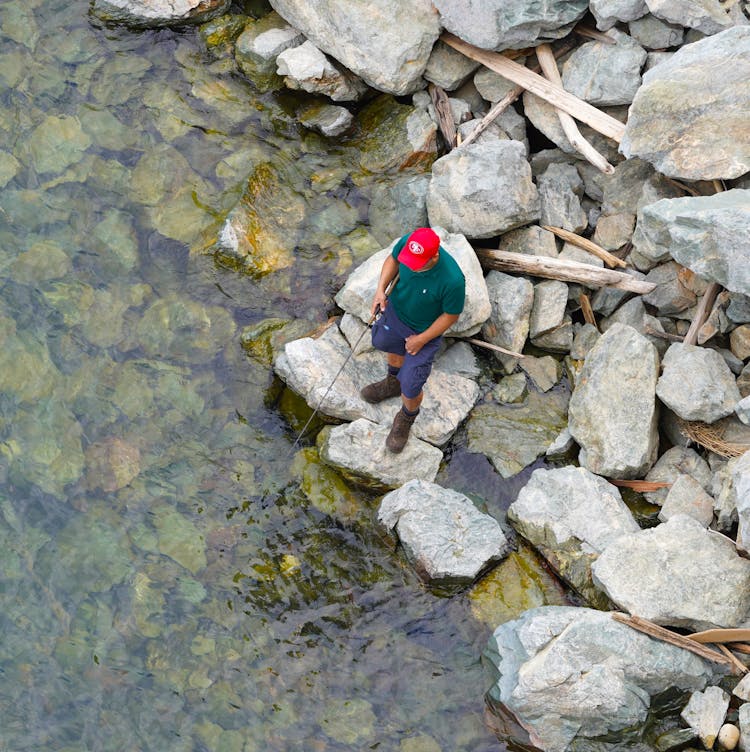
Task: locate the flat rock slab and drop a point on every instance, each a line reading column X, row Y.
column 356, row 295
column 447, row 539
column 613, row 412
column 513, row 436
column 696, row 383
column 710, row 235
column 358, row 450
column 691, row 116
column 677, row 574
column 570, row 516
column 157, row 13
column 572, row 674
column 309, row 367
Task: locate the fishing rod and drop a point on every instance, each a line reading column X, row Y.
column 373, row 318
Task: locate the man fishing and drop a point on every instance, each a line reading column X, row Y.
column 423, row 305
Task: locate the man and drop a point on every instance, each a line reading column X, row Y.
column 425, row 302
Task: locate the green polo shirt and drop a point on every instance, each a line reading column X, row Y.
column 420, row 297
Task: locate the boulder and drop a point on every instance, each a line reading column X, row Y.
column 533, row 240
column 386, row 43
column 687, row 496
column 398, row 204
column 608, row 12
column 654, row 34
column 691, row 116
column 310, row 366
column 613, row 413
column 152, row 14
column 513, row 436
column 605, row 74
column 739, row 491
column 675, row 462
column 500, row 25
column 356, row 295
column 548, row 311
column 357, row 450
column 306, row 67
column 511, row 299
column 447, row 539
column 327, row 119
column 743, row 410
column 568, row 675
column 710, row 235
column 706, row 16
column 697, row 384
column 570, row 516
column 465, row 197
column 448, row 68
column 560, row 189
column 705, row 714
column 677, row 574
column 670, row 295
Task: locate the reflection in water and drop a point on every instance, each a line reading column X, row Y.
column 171, row 578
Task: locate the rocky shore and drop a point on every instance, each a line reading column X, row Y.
column 630, row 154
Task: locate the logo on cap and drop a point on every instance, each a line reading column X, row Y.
column 416, row 248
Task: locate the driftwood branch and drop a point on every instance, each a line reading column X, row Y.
column 738, row 664
column 640, row 485
column 587, row 245
column 567, row 271
column 577, row 141
column 444, row 114
column 721, row 635
column 587, row 310
column 701, row 314
column 665, row 635
column 599, row 36
column 496, row 348
column 536, row 84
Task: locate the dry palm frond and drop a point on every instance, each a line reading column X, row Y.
column 711, row 436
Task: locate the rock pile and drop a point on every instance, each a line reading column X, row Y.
column 653, row 184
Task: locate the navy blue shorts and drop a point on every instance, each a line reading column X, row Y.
column 389, row 334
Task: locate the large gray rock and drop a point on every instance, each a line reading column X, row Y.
column 447, row 539
column 696, row 383
column 706, row 16
column 573, row 674
column 691, row 116
column 396, row 205
column 654, row 34
column 509, row 24
column 358, row 451
column 708, row 234
column 385, row 43
column 570, row 516
column 511, row 299
column 448, row 68
column 465, row 197
column 677, row 461
column 153, row 14
column 548, row 311
column 705, row 714
column 310, row 366
column 513, row 436
column 737, row 489
column 306, row 67
column 605, row 74
column 560, row 190
column 613, row 413
column 356, row 295
column 677, row 574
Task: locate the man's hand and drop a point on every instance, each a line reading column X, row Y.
column 414, row 343
column 379, row 302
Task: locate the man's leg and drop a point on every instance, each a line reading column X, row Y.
column 387, row 338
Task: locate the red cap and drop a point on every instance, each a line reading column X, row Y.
column 420, row 247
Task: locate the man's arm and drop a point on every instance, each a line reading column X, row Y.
column 439, row 326
column 387, row 273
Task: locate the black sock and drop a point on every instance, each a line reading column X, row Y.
column 410, row 413
column 393, row 370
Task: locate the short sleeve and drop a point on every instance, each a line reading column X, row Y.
column 399, row 246
column 453, row 303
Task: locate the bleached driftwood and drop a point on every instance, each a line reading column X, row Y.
column 588, row 245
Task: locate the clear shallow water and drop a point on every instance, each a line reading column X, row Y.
column 171, row 577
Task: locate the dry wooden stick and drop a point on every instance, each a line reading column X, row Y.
column 662, row 335
column 640, row 485
column 577, row 141
column 740, row 647
column 666, row 635
column 562, row 269
column 587, row 245
column 738, row 664
column 701, row 314
column 497, row 348
column 444, row 114
column 499, row 107
column 540, row 86
column 721, row 635
column 587, row 310
column 600, row 36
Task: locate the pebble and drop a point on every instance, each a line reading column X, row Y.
column 728, row 736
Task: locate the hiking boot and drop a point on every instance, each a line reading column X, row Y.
column 381, row 390
column 399, row 434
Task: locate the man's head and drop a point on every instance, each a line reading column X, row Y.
column 419, row 249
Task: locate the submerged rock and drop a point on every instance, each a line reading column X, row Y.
column 447, row 539
column 613, row 412
column 677, row 574
column 570, row 516
column 691, row 116
column 152, row 14
column 568, row 675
